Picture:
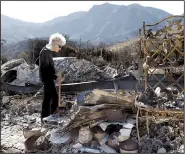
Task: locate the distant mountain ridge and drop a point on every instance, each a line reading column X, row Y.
column 106, row 22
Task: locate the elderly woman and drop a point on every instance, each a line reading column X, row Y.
column 48, row 75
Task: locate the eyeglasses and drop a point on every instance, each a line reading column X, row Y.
column 60, row 46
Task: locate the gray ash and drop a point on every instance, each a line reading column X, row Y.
column 168, row 135
column 168, row 98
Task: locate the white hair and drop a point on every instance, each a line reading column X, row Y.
column 55, row 40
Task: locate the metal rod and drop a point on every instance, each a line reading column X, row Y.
column 59, row 88
column 164, row 20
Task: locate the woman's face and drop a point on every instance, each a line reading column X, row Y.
column 57, row 48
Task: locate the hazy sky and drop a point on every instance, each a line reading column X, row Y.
column 40, row 11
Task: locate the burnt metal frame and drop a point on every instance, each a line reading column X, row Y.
column 146, row 42
column 152, row 113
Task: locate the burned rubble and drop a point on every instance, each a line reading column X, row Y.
column 98, row 121
column 166, row 98
column 73, row 70
column 166, row 136
column 20, row 113
column 85, row 126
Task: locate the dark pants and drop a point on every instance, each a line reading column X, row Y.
column 50, row 102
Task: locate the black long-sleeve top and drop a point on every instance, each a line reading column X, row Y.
column 46, row 66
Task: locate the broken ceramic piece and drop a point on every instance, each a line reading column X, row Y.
column 85, row 135
column 128, row 146
column 29, row 143
column 41, row 143
column 104, row 125
column 77, row 146
column 161, row 150
column 35, row 131
column 124, row 134
column 58, row 138
column 28, row 133
column 128, row 125
column 99, row 134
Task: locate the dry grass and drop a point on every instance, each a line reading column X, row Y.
column 120, row 46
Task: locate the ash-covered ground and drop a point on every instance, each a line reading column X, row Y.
column 19, row 114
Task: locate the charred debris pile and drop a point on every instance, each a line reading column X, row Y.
column 104, row 121
column 109, row 121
